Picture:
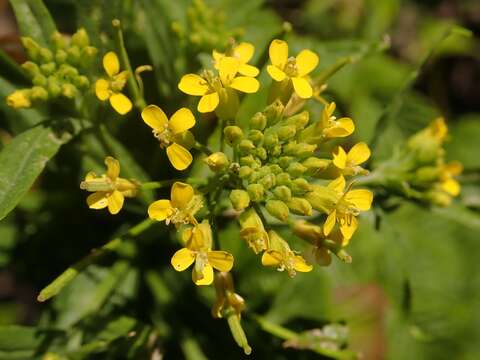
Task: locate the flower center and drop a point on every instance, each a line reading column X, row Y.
column 164, row 136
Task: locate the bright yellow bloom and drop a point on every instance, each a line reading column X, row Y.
column 350, row 204
column 349, row 163
column 198, row 249
column 110, row 89
column 180, row 209
column 19, row 99
column 294, row 69
column 281, row 256
column 438, row 129
column 447, row 174
column 109, row 190
column 212, row 88
column 333, row 127
column 243, row 52
column 168, row 132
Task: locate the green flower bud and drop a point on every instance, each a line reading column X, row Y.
column 53, row 86
column 261, row 153
column 67, row 71
column 268, row 181
column 48, row 68
column 80, row 38
column 440, row 198
column 322, row 199
column 283, row 179
column 33, row 49
column 299, row 149
column 31, row 68
column 233, row 135
column 277, row 209
column 39, row 80
column 38, row 93
column 246, row 146
column 69, row 91
column 87, row 56
column 275, row 169
column 282, row 192
column 61, row 56
column 285, row 161
column 245, row 172
column 81, row 82
column 298, row 120
column 307, row 231
column 426, row 174
column 270, row 141
column 74, row 55
column 256, row 136
column 255, row 191
column 249, row 160
column 276, row 150
column 274, row 112
column 45, row 55
column 286, row 132
column 300, row 185
column 239, row 199
column 217, row 161
column 296, row 169
column 315, row 165
column 300, row 206
column 258, row 121
column 58, row 41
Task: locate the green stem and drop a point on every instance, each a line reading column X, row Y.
column 138, row 99
column 70, row 273
column 157, row 184
column 202, row 148
column 324, row 76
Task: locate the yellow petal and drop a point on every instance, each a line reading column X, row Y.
column 154, row 117
column 182, row 259
column 102, row 89
column 330, row 223
column 208, row 102
column 244, row 51
column 276, row 73
column 179, row 156
column 90, row 176
column 220, row 260
column 338, row 184
column 347, row 125
column 121, row 103
column 181, row 121
column 160, row 210
column 360, row 198
column 278, row 52
column 306, row 61
column 339, row 158
column 451, row 187
column 111, row 63
column 207, row 276
column 193, row 84
column 216, row 57
column 113, row 167
column 97, row 200
column 302, row 87
column 181, row 194
column 227, row 69
column 348, row 228
column 248, row 70
column 271, row 258
column 301, row 265
column 115, row 202
column 245, row 84
column 358, row 154
column 453, row 168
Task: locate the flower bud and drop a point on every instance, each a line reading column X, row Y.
column 268, row 181
column 270, row 141
column 275, row 169
column 239, row 199
column 283, row 179
column 31, row 68
column 277, row 209
column 58, row 41
column 276, row 150
column 69, row 91
column 39, row 80
column 282, row 192
column 249, row 160
column 233, row 135
column 298, row 120
column 19, row 99
column 45, row 55
column 217, row 161
column 299, row 149
column 61, row 56
column 438, row 197
column 87, row 56
column 67, row 71
column 300, row 186
column 246, row 146
column 299, row 206
column 32, row 48
column 258, row 121
column 307, row 231
column 261, row 153
column 245, row 172
column 285, row 161
column 228, row 105
column 296, row 169
column 80, row 38
column 74, row 55
column 256, row 136
column 286, row 132
column 48, row 68
column 53, row 86
column 426, row 174
column 81, row 82
column 274, row 112
column 315, row 165
column 322, row 199
column 255, row 191
column 38, row 93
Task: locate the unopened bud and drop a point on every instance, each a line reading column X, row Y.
column 283, row 179
column 268, row 181
column 239, row 199
column 61, row 56
column 270, row 141
column 261, row 153
column 283, row 193
column 298, row 120
column 307, row 231
column 38, row 93
column 45, row 55
column 300, row 206
column 80, row 38
column 69, row 91
column 275, row 169
column 286, row 132
column 256, row 136
column 39, row 80
column 217, row 161
column 258, row 121
column 296, row 169
column 87, row 56
column 274, row 112
column 322, row 199
column 300, row 185
column 81, row 82
column 315, row 165
column 427, row 174
column 53, row 86
column 246, row 146
column 58, row 41
column 33, row 49
column 31, row 68
column 255, row 191
column 245, row 172
column 233, row 135
column 277, row 209
column 74, row 55
column 48, row 68
column 299, row 149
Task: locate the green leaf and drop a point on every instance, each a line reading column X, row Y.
column 23, row 160
column 15, row 338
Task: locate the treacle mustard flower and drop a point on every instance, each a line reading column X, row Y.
column 294, row 69
column 109, row 190
column 169, row 132
column 282, row 257
column 243, row 52
column 212, row 88
column 447, row 174
column 253, row 231
column 110, row 89
column 349, row 163
column 198, row 249
column 349, row 205
column 181, row 207
column 19, row 99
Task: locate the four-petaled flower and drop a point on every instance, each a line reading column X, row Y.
column 168, row 132
column 350, row 204
column 109, row 190
column 198, row 249
column 243, row 52
column 293, row 69
column 212, row 89
column 349, row 163
column 180, row 209
column 110, row 89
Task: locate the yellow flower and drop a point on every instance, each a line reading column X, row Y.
column 349, row 163
column 243, row 52
column 212, row 88
column 198, row 249
column 109, row 190
column 294, row 69
column 168, row 132
column 281, row 256
column 350, row 204
column 253, row 231
column 19, row 99
column 447, row 174
column 180, row 209
column 438, row 129
column 110, row 89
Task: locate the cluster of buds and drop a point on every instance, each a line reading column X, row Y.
column 55, row 71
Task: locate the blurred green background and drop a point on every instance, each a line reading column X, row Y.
column 413, row 289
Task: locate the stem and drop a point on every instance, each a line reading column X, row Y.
column 138, row 99
column 324, row 76
column 157, row 184
column 202, row 148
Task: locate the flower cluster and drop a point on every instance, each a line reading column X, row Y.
column 60, row 72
